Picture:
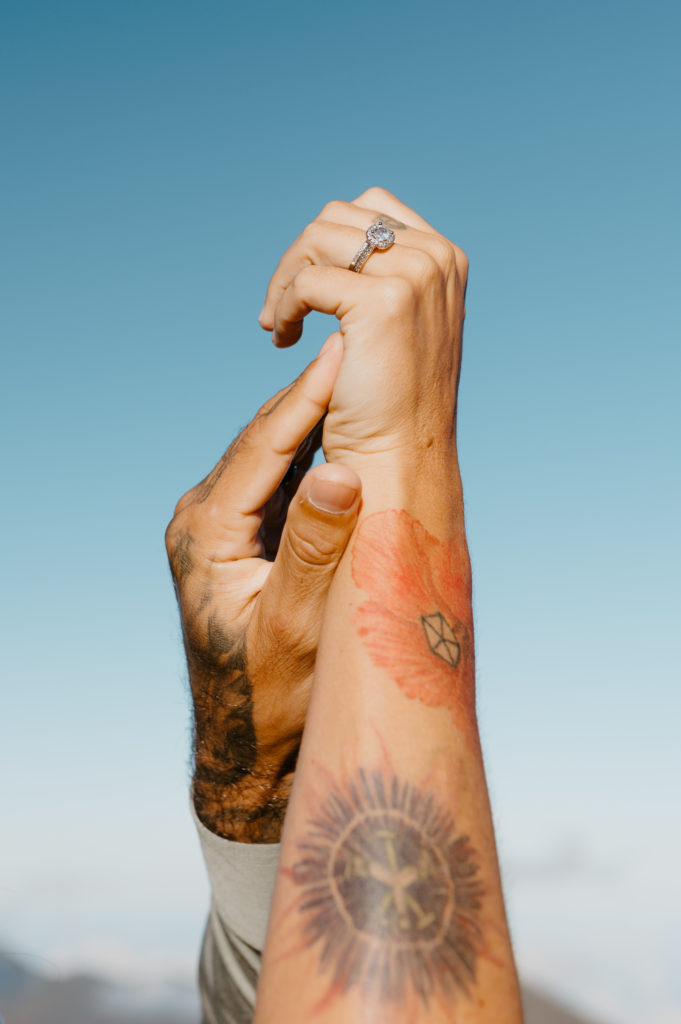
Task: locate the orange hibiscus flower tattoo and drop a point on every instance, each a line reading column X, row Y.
column 417, row 624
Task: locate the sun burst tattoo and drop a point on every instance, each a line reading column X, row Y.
column 390, row 893
column 417, row 622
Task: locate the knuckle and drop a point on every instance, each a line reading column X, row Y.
column 375, row 194
column 264, row 410
column 310, row 234
column 181, row 504
column 445, row 254
column 332, row 210
column 426, row 268
column 179, row 544
column 251, row 435
column 305, row 278
column 213, row 513
column 241, row 447
column 461, row 260
column 313, row 550
column 398, row 294
column 171, row 536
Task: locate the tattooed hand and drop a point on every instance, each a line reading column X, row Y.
column 401, row 320
column 252, row 550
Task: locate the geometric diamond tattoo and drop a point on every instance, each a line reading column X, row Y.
column 441, row 639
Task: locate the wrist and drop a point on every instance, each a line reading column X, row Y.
column 248, row 811
column 427, row 486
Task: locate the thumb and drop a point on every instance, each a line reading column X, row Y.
column 318, row 526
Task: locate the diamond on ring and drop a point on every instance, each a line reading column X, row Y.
column 379, row 236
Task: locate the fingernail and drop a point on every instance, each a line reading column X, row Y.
column 331, row 496
column 327, row 345
column 275, row 339
column 261, row 316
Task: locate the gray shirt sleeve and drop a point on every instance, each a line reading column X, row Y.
column 241, row 877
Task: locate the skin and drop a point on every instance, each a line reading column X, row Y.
column 404, row 569
column 224, row 541
column 388, row 903
column 257, row 538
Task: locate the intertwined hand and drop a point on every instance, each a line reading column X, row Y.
column 252, row 550
column 401, row 322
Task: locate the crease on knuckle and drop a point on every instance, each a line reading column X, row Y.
column 314, row 550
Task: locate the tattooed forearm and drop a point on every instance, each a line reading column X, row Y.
column 441, row 638
column 235, row 796
column 389, row 892
column 417, row 622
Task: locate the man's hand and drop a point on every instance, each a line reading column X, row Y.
column 251, row 624
column 394, row 403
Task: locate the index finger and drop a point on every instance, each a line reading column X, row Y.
column 255, row 465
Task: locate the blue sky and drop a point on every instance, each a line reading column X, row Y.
column 157, row 159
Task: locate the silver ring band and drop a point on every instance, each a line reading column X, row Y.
column 379, row 236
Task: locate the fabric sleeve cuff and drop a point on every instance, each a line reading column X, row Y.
column 241, row 877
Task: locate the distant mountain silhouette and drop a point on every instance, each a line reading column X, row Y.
column 542, row 1009
column 27, row 997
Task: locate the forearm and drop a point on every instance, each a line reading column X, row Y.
column 241, row 783
column 388, row 902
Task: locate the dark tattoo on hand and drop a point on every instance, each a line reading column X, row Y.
column 242, row 780
column 233, row 796
column 205, row 488
column 223, row 709
column 389, row 892
column 182, row 560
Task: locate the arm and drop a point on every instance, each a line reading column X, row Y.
column 388, row 902
column 258, row 535
column 255, row 537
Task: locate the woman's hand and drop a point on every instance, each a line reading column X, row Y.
column 252, row 549
column 401, row 321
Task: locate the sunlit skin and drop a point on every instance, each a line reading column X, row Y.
column 349, row 614
column 248, row 541
column 387, row 891
column 411, row 576
column 371, row 920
